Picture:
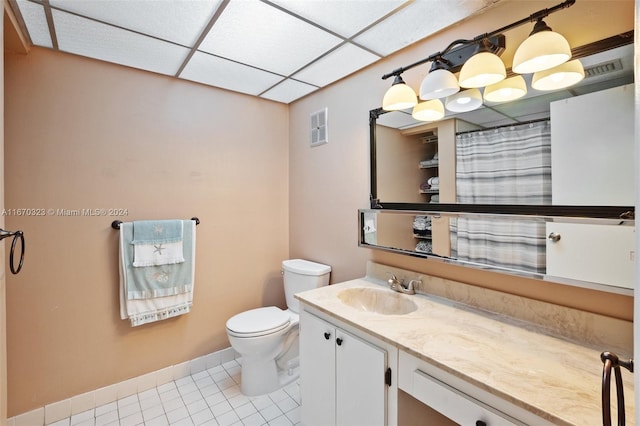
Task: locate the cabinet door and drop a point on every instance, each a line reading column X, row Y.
column 360, row 386
column 592, row 149
column 317, row 371
column 591, row 252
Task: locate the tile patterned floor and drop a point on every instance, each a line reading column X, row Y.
column 211, row 397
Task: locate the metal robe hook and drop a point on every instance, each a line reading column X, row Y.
column 17, row 235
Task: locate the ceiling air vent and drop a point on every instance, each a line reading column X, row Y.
column 603, row 68
column 319, row 130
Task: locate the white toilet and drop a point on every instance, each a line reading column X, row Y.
column 267, row 338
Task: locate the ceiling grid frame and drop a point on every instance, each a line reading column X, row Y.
column 285, row 87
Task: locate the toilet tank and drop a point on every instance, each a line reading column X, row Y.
column 301, row 275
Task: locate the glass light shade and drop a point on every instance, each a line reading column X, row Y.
column 439, row 84
column 399, row 96
column 541, row 51
column 432, row 110
column 562, row 76
column 507, row 90
column 466, row 100
column 482, row 69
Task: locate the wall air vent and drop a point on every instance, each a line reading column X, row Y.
column 603, row 68
column 319, row 129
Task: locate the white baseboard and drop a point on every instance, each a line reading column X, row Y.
column 51, row 413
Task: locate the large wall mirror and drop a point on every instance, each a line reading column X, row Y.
column 547, row 174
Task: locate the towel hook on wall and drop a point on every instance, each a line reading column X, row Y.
column 116, row 223
column 17, row 235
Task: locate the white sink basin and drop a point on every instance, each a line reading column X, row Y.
column 384, row 302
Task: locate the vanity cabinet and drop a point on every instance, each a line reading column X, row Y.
column 342, row 376
column 457, row 399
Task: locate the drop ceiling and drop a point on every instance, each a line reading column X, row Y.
column 280, row 50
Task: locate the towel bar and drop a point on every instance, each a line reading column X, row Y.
column 612, row 362
column 116, row 223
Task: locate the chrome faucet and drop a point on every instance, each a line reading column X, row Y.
column 398, row 285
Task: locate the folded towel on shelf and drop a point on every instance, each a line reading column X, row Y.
column 425, row 186
column 155, row 292
column 428, row 163
column 157, row 242
column 424, row 247
column 422, row 222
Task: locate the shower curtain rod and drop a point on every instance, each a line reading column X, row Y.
column 537, row 120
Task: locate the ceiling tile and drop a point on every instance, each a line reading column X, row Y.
column 417, row 21
column 36, row 22
column 337, row 64
column 260, row 35
column 95, row 40
column 219, row 72
column 397, row 119
column 288, row 91
column 179, row 21
column 346, row 18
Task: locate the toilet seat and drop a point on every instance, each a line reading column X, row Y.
column 258, row 322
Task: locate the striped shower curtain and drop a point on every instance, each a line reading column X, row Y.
column 506, row 165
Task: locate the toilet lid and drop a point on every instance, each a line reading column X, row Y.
column 260, row 320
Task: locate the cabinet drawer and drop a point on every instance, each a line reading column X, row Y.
column 456, row 398
column 455, row 405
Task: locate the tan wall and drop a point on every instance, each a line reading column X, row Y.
column 3, row 293
column 86, row 134
column 328, row 187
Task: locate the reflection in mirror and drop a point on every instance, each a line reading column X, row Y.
column 585, row 252
column 544, row 149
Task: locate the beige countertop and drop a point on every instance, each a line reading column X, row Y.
column 553, row 378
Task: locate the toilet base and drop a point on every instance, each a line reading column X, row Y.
column 258, row 377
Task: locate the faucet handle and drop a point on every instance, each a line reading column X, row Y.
column 394, row 282
column 413, row 283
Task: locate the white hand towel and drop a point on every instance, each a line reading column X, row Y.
column 157, row 254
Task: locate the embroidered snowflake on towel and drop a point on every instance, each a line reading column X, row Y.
column 159, row 229
column 158, row 248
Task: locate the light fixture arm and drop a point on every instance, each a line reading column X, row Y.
column 541, row 14
column 536, row 16
column 429, row 58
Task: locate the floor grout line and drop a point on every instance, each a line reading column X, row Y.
column 209, row 398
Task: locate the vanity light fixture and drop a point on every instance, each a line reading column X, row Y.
column 399, row 96
column 543, row 49
column 507, row 90
column 559, row 77
column 464, row 101
column 479, row 65
column 431, row 110
column 482, row 69
column 439, row 83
